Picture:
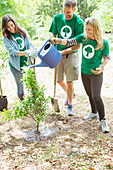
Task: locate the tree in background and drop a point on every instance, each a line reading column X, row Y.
column 86, row 7
column 26, row 15
column 7, row 6
column 22, row 11
column 52, row 7
column 37, row 14
column 48, row 8
column 104, row 13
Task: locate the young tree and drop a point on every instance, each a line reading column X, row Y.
column 33, row 105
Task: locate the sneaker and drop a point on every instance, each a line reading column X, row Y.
column 104, row 126
column 66, row 101
column 70, row 110
column 91, row 116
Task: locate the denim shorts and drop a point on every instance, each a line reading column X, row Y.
column 69, row 67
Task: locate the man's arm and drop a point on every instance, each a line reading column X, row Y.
column 70, row 49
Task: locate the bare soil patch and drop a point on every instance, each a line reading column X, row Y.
column 64, row 142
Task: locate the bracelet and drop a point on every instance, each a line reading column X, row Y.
column 71, row 42
column 102, row 67
column 107, row 56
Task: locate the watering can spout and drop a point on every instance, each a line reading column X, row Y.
column 42, row 64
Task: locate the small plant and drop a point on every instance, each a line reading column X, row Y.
column 8, row 153
column 34, row 104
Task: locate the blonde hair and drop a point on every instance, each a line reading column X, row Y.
column 97, row 31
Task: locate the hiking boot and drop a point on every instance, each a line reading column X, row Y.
column 91, row 116
column 70, row 110
column 104, row 126
column 66, row 101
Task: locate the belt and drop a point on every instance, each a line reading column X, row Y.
column 66, row 55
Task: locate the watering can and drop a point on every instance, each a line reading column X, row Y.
column 49, row 55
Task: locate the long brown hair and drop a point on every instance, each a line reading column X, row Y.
column 5, row 19
column 97, row 31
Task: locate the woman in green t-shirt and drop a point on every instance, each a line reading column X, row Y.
column 20, row 48
column 95, row 55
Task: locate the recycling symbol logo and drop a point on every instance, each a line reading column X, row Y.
column 66, row 31
column 88, row 51
column 20, row 42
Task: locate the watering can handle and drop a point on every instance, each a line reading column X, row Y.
column 49, row 40
column 44, row 46
column 54, row 44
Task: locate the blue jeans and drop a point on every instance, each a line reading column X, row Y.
column 17, row 76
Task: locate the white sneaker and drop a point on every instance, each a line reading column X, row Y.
column 91, row 116
column 104, row 126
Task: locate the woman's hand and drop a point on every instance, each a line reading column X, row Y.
column 99, row 70
column 34, row 53
column 31, row 53
column 27, row 53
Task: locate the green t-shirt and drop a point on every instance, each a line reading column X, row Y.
column 66, row 28
column 18, row 38
column 91, row 58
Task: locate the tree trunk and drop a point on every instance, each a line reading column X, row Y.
column 38, row 128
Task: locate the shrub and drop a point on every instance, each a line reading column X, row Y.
column 34, row 104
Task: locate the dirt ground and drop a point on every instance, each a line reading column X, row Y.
column 64, row 142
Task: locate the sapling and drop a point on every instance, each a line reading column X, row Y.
column 34, row 104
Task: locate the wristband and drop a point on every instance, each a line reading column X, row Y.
column 71, row 42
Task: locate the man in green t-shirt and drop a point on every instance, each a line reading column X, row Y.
column 65, row 26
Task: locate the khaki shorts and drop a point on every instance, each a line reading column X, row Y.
column 68, row 66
